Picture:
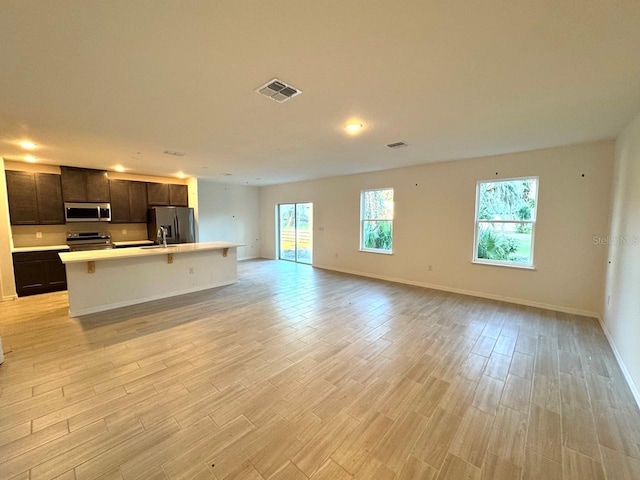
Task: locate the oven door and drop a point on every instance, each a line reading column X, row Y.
column 86, row 247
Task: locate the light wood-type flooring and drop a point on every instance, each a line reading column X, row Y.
column 299, row 373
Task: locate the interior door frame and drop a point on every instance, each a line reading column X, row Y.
column 295, row 229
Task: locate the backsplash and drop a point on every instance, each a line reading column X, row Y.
column 26, row 236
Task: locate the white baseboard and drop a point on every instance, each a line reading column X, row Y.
column 518, row 301
column 248, row 258
column 625, row 372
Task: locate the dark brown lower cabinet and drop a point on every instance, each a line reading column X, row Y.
column 38, row 272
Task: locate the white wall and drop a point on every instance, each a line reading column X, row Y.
column 434, row 225
column 622, row 291
column 230, row 213
column 7, row 283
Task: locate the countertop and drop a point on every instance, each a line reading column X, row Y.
column 40, row 248
column 117, row 253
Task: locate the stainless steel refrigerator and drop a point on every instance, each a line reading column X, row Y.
column 178, row 221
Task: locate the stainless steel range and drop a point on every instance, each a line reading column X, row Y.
column 79, row 241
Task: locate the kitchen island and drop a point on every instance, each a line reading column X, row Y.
column 101, row 280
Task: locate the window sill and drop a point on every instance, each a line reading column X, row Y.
column 507, row 265
column 383, row 252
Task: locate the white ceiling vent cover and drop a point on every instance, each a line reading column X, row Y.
column 397, row 145
column 278, row 91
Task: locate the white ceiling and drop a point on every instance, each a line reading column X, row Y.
column 95, row 82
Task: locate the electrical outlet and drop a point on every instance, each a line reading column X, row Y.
column 124, row 231
column 430, row 268
column 38, row 234
column 608, row 300
column 190, row 270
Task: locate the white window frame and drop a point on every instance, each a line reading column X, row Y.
column 362, row 220
column 504, row 263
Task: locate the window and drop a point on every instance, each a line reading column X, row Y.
column 376, row 220
column 506, row 221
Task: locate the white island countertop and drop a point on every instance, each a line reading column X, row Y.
column 118, row 253
column 99, row 280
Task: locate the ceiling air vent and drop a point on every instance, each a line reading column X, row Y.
column 174, row 153
column 397, row 145
column 278, row 91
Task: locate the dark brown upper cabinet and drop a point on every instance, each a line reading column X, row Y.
column 165, row 194
column 119, row 201
column 158, row 194
column 178, row 195
column 128, row 201
column 23, row 198
column 138, row 202
column 34, row 198
column 50, row 205
column 84, row 185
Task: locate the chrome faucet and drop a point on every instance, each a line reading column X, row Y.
column 162, row 236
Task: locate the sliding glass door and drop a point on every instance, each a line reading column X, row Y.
column 295, row 227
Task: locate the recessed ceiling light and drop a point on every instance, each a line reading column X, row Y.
column 353, row 127
column 119, row 168
column 30, row 159
column 27, row 145
column 180, row 175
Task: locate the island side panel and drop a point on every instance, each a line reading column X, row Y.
column 128, row 281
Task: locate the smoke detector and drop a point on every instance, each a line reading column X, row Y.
column 396, row 145
column 278, row 90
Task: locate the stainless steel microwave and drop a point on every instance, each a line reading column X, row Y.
column 87, row 212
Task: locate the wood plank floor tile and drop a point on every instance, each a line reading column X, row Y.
column 522, row 365
column 331, row 471
column 508, row 435
column 457, row 469
column 288, row 472
column 434, row 442
column 316, row 452
column 396, row 445
column 517, row 393
column 581, row 467
column 358, row 445
column 496, row 468
column 414, row 468
column 620, row 466
column 544, row 433
column 498, row 366
column 373, row 468
column 579, row 432
column 472, row 439
column 296, row 372
column 488, row 394
column 537, row 467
